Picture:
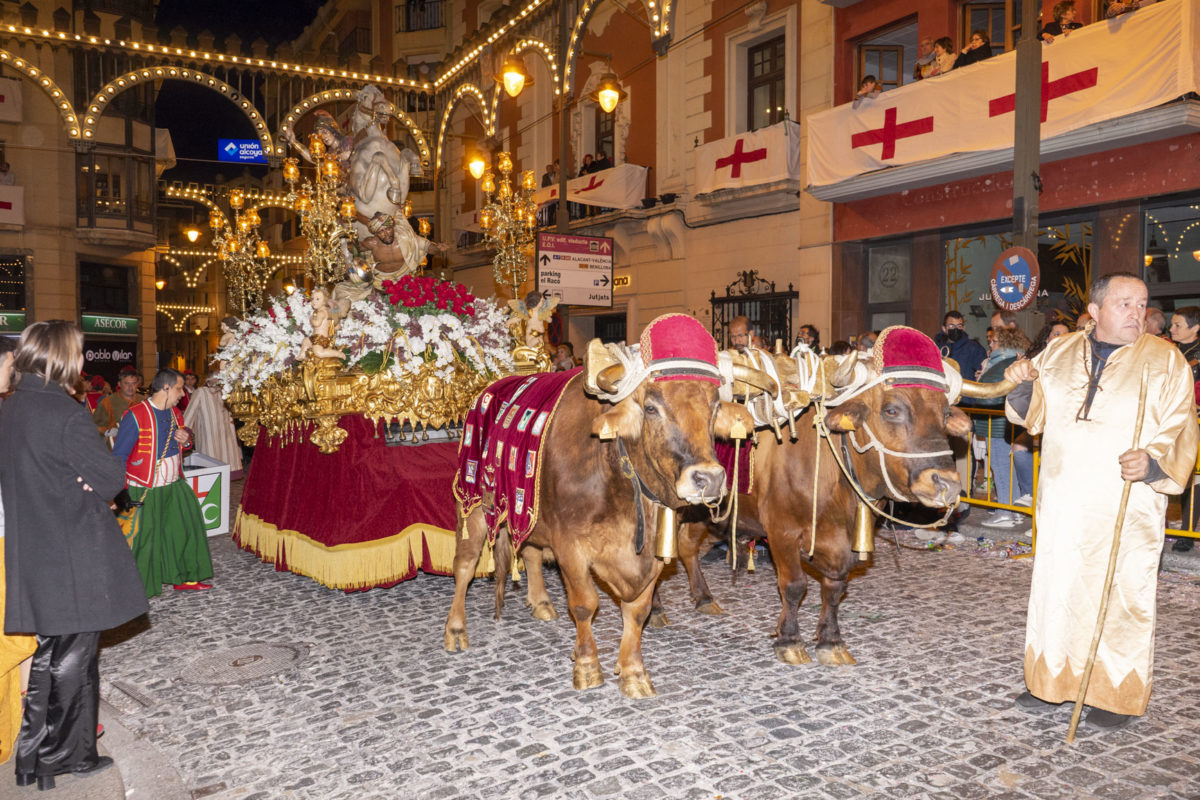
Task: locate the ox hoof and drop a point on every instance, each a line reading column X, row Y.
column 792, row 654
column 587, row 674
column 544, row 611
column 637, row 686
column 835, row 656
column 658, row 619
column 456, row 640
column 710, row 607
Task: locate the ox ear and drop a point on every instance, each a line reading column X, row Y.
column 728, row 416
column 958, row 423
column 846, row 417
column 623, row 419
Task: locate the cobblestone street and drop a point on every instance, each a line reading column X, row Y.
column 356, row 697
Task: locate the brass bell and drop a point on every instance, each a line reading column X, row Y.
column 864, row 531
column 666, row 528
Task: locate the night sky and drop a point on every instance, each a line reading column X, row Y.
column 197, row 117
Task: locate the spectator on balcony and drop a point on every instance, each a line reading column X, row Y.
column 1116, row 8
column 588, row 166
column 869, row 89
column 6, row 176
column 925, row 56
column 602, row 161
column 979, row 48
column 1064, row 22
column 551, row 176
column 943, row 56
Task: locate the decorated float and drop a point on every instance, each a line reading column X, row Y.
column 354, row 392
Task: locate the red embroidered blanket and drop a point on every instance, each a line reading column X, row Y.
column 745, row 464
column 500, row 454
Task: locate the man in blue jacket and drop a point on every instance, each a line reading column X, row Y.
column 954, row 343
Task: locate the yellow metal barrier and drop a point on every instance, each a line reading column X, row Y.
column 1187, row 514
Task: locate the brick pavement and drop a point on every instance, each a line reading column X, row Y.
column 376, row 708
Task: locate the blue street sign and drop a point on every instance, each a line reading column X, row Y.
column 241, row 151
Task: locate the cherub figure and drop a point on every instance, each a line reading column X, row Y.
column 321, row 322
column 531, row 317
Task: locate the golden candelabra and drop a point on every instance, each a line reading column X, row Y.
column 325, row 213
column 508, row 222
column 243, row 251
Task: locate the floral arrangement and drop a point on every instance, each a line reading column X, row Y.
column 415, row 322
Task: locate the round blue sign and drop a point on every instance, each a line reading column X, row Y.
column 1015, row 279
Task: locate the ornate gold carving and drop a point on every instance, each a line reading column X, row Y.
column 319, row 391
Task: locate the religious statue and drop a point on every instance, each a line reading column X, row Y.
column 320, row 339
column 530, row 318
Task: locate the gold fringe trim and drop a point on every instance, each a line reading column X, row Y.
column 1130, row 696
column 357, row 565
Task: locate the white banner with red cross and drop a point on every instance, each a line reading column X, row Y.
column 1105, row 70
column 749, row 159
column 12, row 205
column 622, row 186
column 10, row 100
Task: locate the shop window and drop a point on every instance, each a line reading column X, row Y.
column 890, row 56
column 104, row 287
column 1064, row 255
column 12, row 283
column 766, row 67
column 1171, row 262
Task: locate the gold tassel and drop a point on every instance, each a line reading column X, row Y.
column 864, row 532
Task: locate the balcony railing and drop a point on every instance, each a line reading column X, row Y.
column 419, row 15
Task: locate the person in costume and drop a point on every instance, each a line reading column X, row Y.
column 110, row 409
column 1081, row 393
column 163, row 527
column 69, row 574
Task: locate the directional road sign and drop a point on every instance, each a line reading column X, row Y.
column 575, row 269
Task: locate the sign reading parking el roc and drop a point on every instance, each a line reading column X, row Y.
column 575, row 269
column 109, row 325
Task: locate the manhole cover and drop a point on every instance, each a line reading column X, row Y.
column 244, row 663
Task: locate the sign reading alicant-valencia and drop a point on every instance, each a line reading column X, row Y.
column 109, row 325
column 575, row 269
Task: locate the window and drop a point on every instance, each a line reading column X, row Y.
column 765, row 70
column 1171, row 263
column 605, row 134
column 104, row 287
column 418, row 15
column 890, row 56
column 12, row 283
column 1000, row 18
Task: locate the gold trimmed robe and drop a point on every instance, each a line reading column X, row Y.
column 1079, row 493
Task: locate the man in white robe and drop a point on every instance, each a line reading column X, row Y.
column 1081, row 394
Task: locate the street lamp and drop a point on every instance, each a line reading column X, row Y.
column 192, row 233
column 513, row 75
column 609, row 93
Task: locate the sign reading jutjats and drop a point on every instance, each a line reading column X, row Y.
column 575, row 269
column 109, row 325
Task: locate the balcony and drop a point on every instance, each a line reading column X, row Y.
column 1095, row 98
column 419, row 15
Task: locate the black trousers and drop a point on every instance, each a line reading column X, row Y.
column 58, row 731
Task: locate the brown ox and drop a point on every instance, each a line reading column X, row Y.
column 587, row 515
column 905, row 420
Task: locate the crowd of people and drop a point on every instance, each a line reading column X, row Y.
column 95, row 517
column 938, row 55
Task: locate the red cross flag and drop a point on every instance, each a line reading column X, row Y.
column 623, row 186
column 1087, row 78
column 10, row 100
column 763, row 156
column 12, row 205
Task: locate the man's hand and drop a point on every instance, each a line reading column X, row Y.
column 1020, row 371
column 183, row 437
column 1135, row 464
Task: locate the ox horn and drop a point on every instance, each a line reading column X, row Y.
column 842, row 372
column 601, row 368
column 980, row 391
column 756, row 378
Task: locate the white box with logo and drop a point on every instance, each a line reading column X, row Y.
column 209, row 480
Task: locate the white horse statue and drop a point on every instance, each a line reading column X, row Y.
column 379, row 171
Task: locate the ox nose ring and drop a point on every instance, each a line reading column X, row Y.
column 708, row 480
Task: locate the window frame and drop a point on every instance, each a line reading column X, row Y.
column 737, row 45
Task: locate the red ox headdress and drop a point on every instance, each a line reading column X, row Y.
column 906, row 357
column 677, row 347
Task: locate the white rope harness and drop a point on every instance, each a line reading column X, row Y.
column 878, row 446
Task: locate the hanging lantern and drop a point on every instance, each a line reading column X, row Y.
column 316, row 146
column 476, row 165
column 263, row 249
column 237, row 198
column 609, row 93
column 407, row 209
column 291, row 170
column 513, row 76
column 347, row 209
column 489, row 183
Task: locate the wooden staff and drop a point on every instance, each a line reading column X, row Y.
column 1112, row 567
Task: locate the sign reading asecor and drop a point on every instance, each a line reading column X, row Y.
column 108, row 325
column 241, row 151
column 1015, row 279
column 575, row 269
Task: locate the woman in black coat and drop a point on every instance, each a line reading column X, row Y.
column 70, row 573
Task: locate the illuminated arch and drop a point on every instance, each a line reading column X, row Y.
column 190, row 279
column 489, row 123
column 658, row 13
column 49, row 87
column 547, row 54
column 147, row 74
column 335, row 95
